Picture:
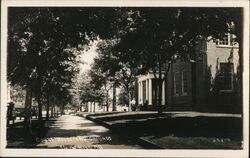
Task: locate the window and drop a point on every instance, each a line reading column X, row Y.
column 180, row 83
column 225, row 76
column 184, row 83
column 177, row 83
column 225, row 41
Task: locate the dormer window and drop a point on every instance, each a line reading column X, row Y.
column 225, row 41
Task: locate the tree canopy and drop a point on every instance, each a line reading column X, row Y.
column 43, row 43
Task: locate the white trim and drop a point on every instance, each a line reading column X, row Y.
column 229, row 45
column 144, row 77
column 228, row 41
column 226, row 46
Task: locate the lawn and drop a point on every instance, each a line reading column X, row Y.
column 178, row 130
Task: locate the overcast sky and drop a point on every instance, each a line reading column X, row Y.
column 88, row 58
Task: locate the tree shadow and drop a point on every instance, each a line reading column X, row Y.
column 18, row 137
column 222, row 127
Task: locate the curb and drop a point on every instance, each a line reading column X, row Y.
column 145, row 143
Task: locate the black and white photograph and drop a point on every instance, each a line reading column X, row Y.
column 145, row 79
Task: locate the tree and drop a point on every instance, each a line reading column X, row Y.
column 123, row 97
column 162, row 41
column 41, row 64
column 39, row 36
column 88, row 92
column 38, row 39
column 162, row 35
column 101, row 80
column 117, row 63
column 17, row 94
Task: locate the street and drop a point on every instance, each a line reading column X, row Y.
column 75, row 132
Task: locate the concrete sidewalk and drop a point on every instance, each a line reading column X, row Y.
column 74, row 132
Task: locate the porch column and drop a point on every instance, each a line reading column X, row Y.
column 150, row 91
column 139, row 92
column 147, row 89
column 89, row 107
column 163, row 93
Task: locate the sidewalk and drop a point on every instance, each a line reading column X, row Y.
column 177, row 130
column 75, row 132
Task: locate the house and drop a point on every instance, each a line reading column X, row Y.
column 209, row 83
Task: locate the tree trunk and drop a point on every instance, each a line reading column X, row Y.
column 129, row 98
column 48, row 107
column 90, row 106
column 40, row 118
column 94, row 106
column 114, row 98
column 62, row 109
column 107, row 100
column 53, row 111
column 86, row 106
column 159, row 101
column 27, row 118
column 156, row 95
column 57, row 108
column 129, row 102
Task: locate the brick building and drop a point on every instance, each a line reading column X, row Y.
column 208, row 84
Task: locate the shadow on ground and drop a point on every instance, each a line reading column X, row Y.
column 183, row 132
column 18, row 137
column 223, row 127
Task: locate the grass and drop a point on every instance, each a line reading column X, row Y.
column 173, row 142
column 180, row 132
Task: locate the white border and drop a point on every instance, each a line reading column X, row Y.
column 125, row 153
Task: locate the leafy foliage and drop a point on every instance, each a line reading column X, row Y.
column 43, row 43
column 89, row 92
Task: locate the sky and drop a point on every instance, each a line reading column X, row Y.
column 88, row 58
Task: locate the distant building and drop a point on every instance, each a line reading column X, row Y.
column 209, row 83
